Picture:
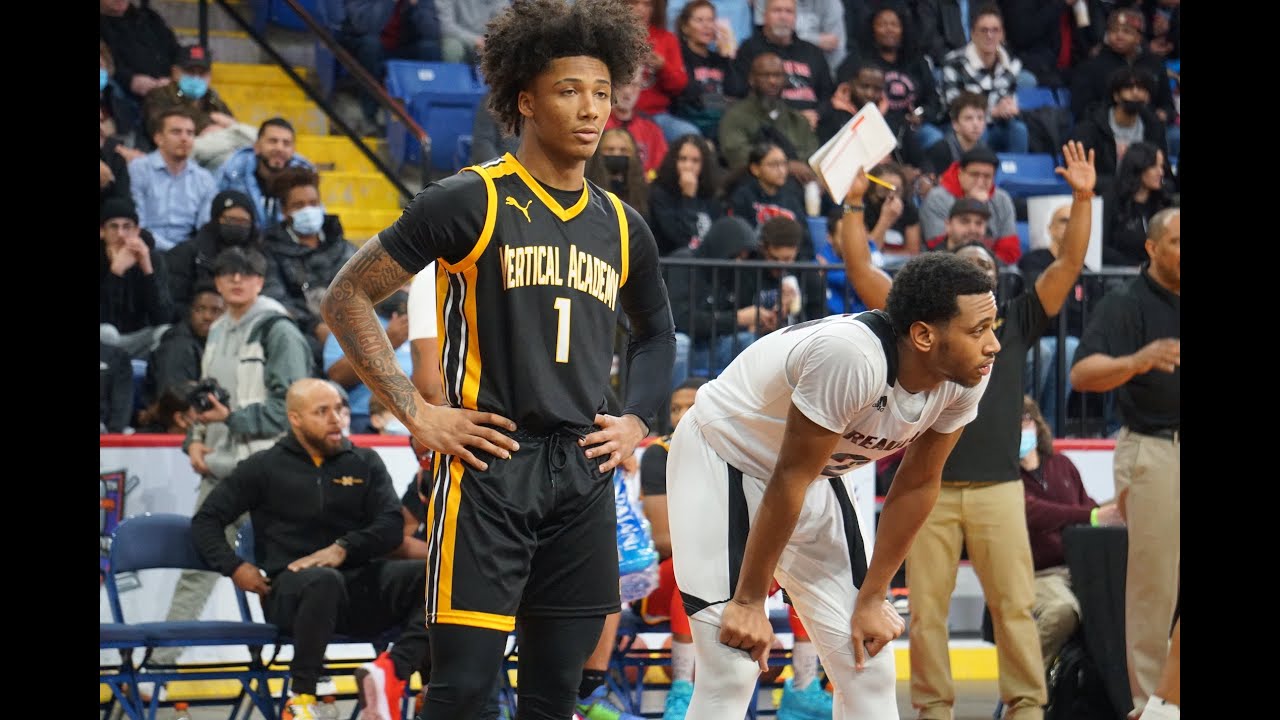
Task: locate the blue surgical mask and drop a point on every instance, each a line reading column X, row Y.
column 192, row 86
column 308, row 220
column 1028, row 442
column 394, row 427
column 102, row 79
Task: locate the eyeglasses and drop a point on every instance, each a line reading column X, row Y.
column 235, row 221
column 774, row 164
column 987, row 31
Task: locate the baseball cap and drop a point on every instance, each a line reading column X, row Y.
column 968, row 205
column 979, row 154
column 193, row 56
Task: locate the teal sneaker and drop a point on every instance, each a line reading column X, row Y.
column 812, row 703
column 678, row 700
column 598, row 707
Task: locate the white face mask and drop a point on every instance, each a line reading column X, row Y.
column 308, row 220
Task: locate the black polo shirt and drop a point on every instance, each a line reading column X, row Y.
column 1125, row 321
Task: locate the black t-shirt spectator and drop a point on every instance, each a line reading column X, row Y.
column 1125, row 321
column 988, row 448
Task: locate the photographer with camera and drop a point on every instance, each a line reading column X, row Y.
column 253, row 353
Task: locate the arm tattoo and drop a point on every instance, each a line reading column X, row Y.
column 368, row 277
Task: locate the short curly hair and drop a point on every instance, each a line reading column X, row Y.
column 926, row 288
column 523, row 40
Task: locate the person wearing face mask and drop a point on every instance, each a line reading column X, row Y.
column 251, row 170
column 218, row 133
column 616, row 165
column 1056, row 499
column 231, row 224
column 308, row 248
column 1111, row 129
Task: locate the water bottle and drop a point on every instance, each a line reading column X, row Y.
column 328, row 709
column 182, row 711
column 637, row 558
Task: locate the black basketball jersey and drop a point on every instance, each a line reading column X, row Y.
column 528, row 288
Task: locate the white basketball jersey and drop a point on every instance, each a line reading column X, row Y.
column 834, row 370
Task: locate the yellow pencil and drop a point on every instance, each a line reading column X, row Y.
column 881, row 183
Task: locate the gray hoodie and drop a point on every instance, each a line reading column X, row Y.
column 256, row 368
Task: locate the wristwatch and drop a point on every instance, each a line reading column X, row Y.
column 853, row 208
column 342, row 543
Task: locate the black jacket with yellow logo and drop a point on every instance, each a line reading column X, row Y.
column 298, row 507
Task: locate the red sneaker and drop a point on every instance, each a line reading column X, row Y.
column 380, row 689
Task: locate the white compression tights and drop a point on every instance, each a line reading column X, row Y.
column 727, row 678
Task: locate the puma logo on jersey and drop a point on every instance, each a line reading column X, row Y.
column 525, row 210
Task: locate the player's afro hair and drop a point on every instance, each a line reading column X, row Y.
column 926, row 288
column 523, row 40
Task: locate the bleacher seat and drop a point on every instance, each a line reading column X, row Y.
column 1029, row 175
column 406, row 78
column 281, row 15
column 1024, row 235
column 442, row 98
column 1035, row 97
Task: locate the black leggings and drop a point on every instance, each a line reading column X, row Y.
column 465, row 662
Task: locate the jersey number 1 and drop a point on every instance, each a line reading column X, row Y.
column 564, row 309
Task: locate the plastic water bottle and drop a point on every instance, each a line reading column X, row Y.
column 328, row 709
column 637, row 558
column 182, row 711
column 813, row 198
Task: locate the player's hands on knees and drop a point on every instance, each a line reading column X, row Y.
column 615, row 441
column 746, row 626
column 452, row 431
column 875, row 624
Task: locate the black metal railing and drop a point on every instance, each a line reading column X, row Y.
column 367, row 82
column 708, row 294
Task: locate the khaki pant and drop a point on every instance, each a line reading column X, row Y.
column 193, row 588
column 1057, row 611
column 991, row 521
column 1150, row 470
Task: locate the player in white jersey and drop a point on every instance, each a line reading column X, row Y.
column 757, row 488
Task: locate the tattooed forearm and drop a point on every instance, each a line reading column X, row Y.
column 369, row 276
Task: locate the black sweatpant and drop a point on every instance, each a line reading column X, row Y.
column 465, row 662
column 312, row 604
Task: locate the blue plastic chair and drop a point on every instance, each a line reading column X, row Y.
column 281, row 15
column 406, row 78
column 163, row 541
column 1029, row 175
column 1036, row 97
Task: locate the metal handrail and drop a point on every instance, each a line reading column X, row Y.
column 372, row 86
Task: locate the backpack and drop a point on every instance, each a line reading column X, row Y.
column 1076, row 690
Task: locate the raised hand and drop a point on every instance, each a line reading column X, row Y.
column 1079, row 172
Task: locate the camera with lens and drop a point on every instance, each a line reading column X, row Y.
column 199, row 395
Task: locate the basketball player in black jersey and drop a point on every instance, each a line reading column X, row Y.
column 533, row 265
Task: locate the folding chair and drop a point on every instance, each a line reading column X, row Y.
column 245, row 551
column 124, row 639
column 163, row 541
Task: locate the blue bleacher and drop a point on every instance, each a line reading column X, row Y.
column 441, row 97
column 1029, row 174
